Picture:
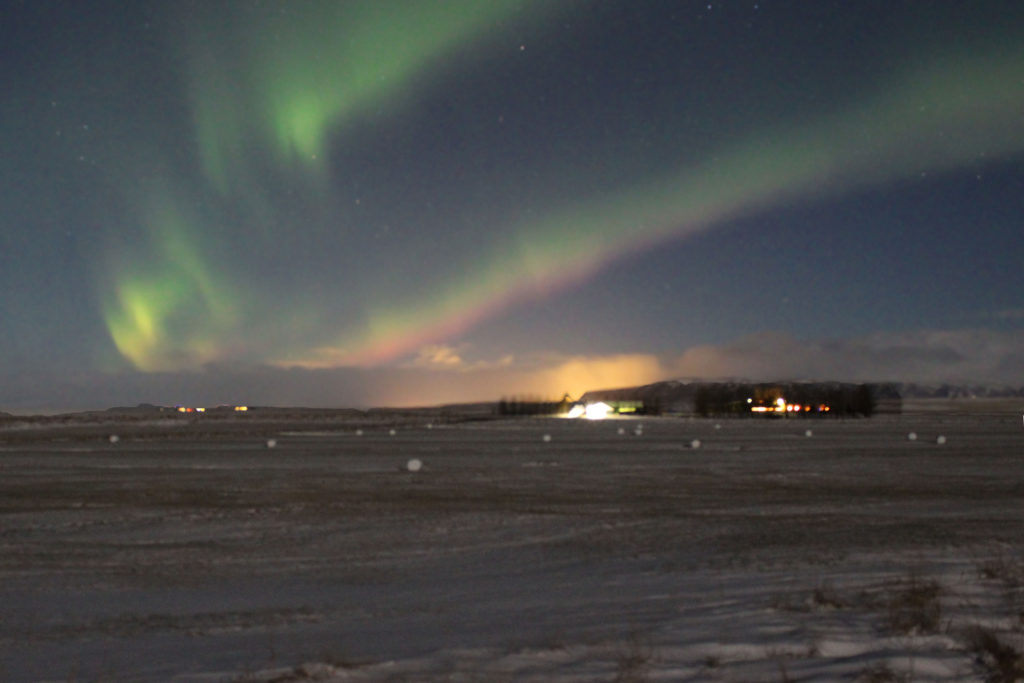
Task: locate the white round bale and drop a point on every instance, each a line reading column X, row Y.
column 808, row 433
column 912, row 436
column 940, row 440
column 271, row 443
column 695, row 443
column 414, row 465
column 114, row 438
column 546, row 438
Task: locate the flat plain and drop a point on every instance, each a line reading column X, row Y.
column 538, row 549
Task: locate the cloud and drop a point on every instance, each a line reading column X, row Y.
column 1009, row 314
column 441, row 374
column 437, row 356
column 971, row 355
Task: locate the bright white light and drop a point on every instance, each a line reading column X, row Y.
column 576, row 411
column 598, row 411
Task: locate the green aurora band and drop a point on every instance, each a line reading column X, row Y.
column 327, row 64
column 177, row 314
column 900, row 134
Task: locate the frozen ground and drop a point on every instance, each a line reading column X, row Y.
column 762, row 555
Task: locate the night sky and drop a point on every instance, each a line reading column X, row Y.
column 382, row 202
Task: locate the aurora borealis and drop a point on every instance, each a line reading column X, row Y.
column 411, row 202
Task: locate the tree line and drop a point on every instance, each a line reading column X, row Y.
column 841, row 400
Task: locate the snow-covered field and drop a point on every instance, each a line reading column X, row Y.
column 760, row 553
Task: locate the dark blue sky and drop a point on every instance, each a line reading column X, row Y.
column 402, row 202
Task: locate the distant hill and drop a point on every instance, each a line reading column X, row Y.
column 141, row 408
column 913, row 390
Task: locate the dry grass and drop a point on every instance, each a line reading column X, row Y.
column 633, row 661
column 1002, row 662
column 825, row 595
column 913, row 606
column 882, row 673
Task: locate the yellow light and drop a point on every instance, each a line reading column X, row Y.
column 780, row 402
column 241, row 409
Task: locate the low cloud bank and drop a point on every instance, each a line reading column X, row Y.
column 441, row 375
column 925, row 356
